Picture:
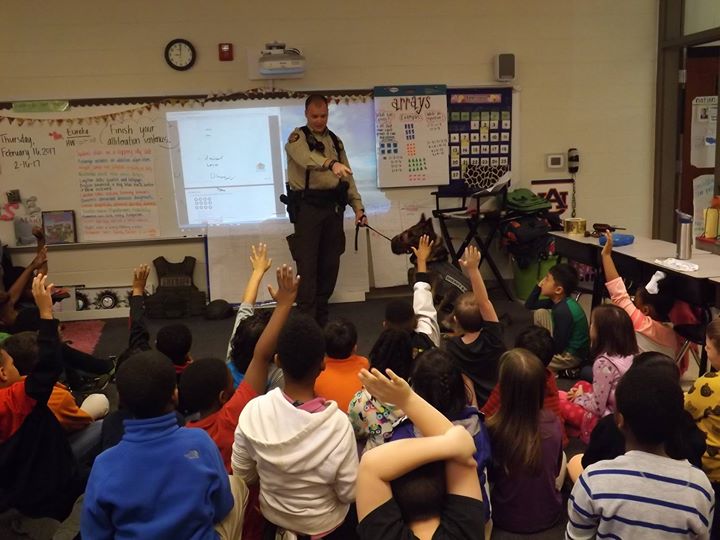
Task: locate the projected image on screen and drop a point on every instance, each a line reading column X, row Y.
column 230, row 164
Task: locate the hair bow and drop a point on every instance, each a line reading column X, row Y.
column 653, row 286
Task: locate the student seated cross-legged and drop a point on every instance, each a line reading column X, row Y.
column 249, row 323
column 527, row 449
column 563, row 316
column 643, row 493
column 477, row 350
column 423, row 487
column 206, row 390
column 299, row 446
column 160, row 481
column 339, row 380
column 40, row 476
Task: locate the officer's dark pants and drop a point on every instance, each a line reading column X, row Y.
column 316, row 246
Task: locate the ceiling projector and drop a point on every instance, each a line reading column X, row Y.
column 276, row 59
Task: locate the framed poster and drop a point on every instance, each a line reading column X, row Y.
column 59, row 227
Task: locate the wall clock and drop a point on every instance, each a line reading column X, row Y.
column 180, row 54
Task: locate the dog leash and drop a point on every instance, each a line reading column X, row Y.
column 357, row 232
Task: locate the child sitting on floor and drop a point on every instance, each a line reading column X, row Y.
column 612, row 346
column 299, row 446
column 420, row 319
column 649, row 312
column 643, row 494
column 565, row 318
column 702, row 401
column 438, row 380
column 40, row 476
column 608, row 442
column 527, row 449
column 538, row 341
column 372, row 420
column 477, row 351
column 161, row 480
column 424, row 487
column 249, row 324
column 339, row 380
column 173, row 340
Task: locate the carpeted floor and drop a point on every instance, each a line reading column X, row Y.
column 83, row 335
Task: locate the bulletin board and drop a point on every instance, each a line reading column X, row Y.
column 411, row 135
column 480, row 138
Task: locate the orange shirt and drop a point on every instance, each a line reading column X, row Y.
column 63, row 405
column 339, row 380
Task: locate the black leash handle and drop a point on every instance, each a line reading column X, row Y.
column 357, row 232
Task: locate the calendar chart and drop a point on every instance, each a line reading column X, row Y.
column 411, row 129
column 480, row 129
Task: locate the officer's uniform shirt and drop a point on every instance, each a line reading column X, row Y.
column 301, row 158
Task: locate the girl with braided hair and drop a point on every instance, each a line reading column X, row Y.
column 438, row 380
column 371, row 419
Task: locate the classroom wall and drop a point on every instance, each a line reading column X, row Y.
column 585, row 69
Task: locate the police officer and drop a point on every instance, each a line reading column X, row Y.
column 320, row 186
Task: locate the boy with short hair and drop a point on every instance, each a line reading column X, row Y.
column 40, row 476
column 161, row 480
column 563, row 316
column 206, row 386
column 479, row 347
column 173, row 340
column 299, row 446
column 420, row 319
column 643, row 494
column 339, row 379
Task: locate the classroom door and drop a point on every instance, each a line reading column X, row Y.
column 702, row 69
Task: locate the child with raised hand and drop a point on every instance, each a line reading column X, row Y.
column 649, row 312
column 420, row 319
column 643, row 494
column 372, row 419
column 299, row 446
column 565, row 318
column 439, row 381
column 40, row 476
column 423, row 487
column 477, row 350
column 527, row 449
column 206, row 390
column 249, row 324
column 613, row 347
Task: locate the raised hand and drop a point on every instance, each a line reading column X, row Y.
column 40, row 258
column 607, row 248
column 287, row 286
column 422, row 252
column 388, row 389
column 259, row 258
column 140, row 277
column 470, row 259
column 42, row 292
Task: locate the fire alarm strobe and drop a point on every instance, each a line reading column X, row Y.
column 225, row 52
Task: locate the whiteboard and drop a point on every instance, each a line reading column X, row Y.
column 411, row 133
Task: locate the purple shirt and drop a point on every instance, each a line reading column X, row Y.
column 526, row 504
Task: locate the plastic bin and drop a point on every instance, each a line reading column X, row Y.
column 525, row 279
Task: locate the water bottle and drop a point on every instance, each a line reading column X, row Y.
column 684, row 236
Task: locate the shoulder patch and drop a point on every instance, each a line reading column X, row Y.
column 294, row 136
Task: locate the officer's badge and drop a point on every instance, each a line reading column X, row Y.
column 294, row 136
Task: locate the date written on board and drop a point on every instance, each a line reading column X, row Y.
column 26, row 164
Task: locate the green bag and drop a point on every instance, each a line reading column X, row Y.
column 524, row 200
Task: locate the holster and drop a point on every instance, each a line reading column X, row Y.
column 292, row 201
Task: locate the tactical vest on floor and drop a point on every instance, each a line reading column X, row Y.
column 176, row 296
